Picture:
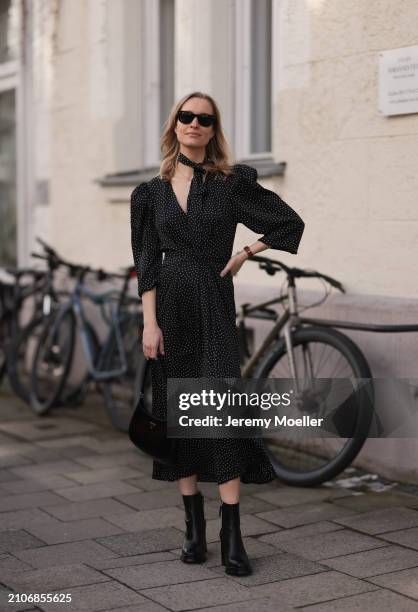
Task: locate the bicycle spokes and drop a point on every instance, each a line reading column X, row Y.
column 329, row 387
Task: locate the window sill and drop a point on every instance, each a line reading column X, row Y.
column 266, row 167
column 128, row 179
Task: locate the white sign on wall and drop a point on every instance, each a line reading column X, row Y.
column 398, row 81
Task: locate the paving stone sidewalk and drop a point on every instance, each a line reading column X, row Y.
column 81, row 516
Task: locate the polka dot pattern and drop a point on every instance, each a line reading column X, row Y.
column 181, row 254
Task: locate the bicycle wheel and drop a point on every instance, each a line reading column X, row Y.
column 52, row 360
column 4, row 339
column 3, row 360
column 121, row 393
column 328, row 354
column 74, row 394
column 4, row 331
column 3, row 367
column 20, row 357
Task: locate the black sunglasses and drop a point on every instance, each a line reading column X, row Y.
column 203, row 119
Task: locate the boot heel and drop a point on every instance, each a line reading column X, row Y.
column 223, row 552
column 223, row 555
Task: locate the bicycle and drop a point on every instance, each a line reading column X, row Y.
column 107, row 362
column 45, row 297
column 307, row 351
column 14, row 296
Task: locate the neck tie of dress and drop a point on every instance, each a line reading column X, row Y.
column 199, row 171
column 195, row 199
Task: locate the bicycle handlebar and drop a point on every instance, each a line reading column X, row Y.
column 271, row 266
column 48, row 249
column 19, row 272
column 54, row 260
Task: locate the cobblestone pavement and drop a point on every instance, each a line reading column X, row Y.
column 80, row 515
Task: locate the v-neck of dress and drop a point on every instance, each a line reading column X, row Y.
column 185, row 212
column 197, row 167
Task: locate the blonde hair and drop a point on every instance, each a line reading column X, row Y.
column 218, row 155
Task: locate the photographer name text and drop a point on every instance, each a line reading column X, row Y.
column 278, row 421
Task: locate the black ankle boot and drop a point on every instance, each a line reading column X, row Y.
column 234, row 556
column 194, row 547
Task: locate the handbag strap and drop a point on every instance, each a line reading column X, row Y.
column 159, row 359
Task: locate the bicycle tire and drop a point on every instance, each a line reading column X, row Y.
column 3, row 350
column 17, row 355
column 352, row 447
column 40, row 403
column 121, row 394
column 3, row 366
column 74, row 396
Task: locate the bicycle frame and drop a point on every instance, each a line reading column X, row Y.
column 286, row 322
column 74, row 303
column 291, row 319
column 372, row 327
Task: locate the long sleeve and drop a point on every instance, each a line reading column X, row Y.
column 263, row 211
column 145, row 239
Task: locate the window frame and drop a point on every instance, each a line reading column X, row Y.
column 242, row 81
column 151, row 79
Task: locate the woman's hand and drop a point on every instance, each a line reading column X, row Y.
column 152, row 341
column 234, row 264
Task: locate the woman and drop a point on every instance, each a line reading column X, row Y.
column 183, row 227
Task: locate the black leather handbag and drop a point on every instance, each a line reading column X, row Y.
column 149, row 433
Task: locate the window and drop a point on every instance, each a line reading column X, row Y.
column 158, row 71
column 253, row 78
column 8, row 133
column 8, row 234
column 260, row 101
column 166, row 59
column 141, row 82
column 8, row 30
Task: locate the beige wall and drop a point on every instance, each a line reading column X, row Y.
column 83, row 112
column 351, row 173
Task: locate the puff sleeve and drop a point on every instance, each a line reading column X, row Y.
column 144, row 238
column 263, row 211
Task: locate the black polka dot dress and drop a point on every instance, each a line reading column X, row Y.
column 181, row 254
